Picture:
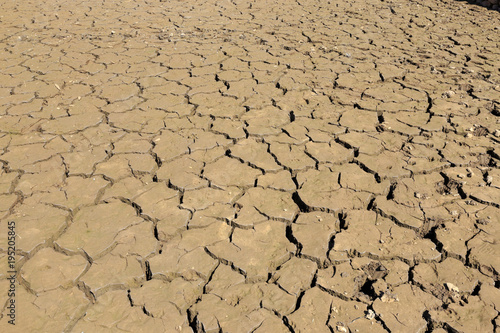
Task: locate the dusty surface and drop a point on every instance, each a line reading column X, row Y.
column 251, row 166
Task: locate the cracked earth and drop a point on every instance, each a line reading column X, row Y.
column 251, row 166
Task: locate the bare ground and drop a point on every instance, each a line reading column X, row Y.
column 250, row 166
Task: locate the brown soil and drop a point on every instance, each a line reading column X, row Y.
column 250, row 166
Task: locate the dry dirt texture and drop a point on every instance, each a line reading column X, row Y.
column 251, row 166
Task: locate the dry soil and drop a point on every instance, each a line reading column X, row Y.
column 250, row 166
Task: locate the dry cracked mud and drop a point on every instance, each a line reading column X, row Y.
column 250, row 166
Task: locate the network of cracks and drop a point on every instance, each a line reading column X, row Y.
column 251, row 166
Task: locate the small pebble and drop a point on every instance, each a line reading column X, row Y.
column 452, row 287
column 370, row 315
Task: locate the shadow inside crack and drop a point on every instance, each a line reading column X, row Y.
column 489, row 4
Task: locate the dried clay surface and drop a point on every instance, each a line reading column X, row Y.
column 250, row 166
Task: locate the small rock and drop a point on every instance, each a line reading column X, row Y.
column 341, row 328
column 389, row 298
column 451, row 287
